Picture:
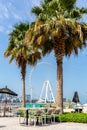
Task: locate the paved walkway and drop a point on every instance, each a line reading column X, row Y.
column 12, row 123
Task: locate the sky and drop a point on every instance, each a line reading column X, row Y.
column 74, row 68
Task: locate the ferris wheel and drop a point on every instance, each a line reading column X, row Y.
column 47, row 93
column 31, row 87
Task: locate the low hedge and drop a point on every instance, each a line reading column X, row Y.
column 72, row 117
column 69, row 117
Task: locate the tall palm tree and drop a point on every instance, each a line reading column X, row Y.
column 57, row 29
column 17, row 50
column 56, row 8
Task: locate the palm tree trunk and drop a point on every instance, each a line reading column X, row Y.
column 59, row 48
column 23, row 73
column 59, row 88
column 23, row 92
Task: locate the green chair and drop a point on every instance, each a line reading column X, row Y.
column 36, row 117
column 55, row 114
column 49, row 115
column 22, row 118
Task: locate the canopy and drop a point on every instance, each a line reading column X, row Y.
column 8, row 91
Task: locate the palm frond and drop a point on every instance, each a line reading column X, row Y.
column 36, row 10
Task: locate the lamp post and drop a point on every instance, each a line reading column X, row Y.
column 31, row 93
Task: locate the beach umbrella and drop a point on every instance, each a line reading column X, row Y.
column 7, row 91
column 76, row 98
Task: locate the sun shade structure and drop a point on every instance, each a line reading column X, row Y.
column 8, row 91
column 76, row 97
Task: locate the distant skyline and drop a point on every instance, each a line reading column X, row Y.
column 74, row 68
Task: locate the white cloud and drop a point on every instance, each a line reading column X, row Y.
column 4, row 13
column 11, row 12
column 35, row 2
column 16, row 16
column 8, row 10
column 5, row 28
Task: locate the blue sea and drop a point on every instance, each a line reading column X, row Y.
column 31, row 105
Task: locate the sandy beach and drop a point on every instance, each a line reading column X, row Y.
column 12, row 123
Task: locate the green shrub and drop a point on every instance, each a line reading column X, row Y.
column 21, row 113
column 73, row 117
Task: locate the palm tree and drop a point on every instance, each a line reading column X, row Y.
column 56, row 8
column 17, row 50
column 57, row 29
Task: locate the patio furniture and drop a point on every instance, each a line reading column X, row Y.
column 48, row 115
column 55, row 114
column 36, row 116
column 22, row 118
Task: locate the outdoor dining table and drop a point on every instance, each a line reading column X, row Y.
column 27, row 111
column 34, row 109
